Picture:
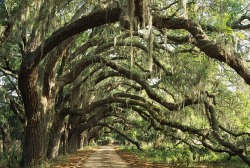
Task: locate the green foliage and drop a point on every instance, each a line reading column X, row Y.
column 172, row 156
column 3, row 16
column 184, row 156
column 11, row 159
column 191, row 72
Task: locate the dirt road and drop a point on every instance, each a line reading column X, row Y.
column 105, row 157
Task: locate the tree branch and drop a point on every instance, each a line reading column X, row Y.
column 80, row 25
column 238, row 24
column 210, row 48
column 232, row 133
column 138, row 145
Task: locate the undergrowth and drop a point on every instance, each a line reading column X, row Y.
column 11, row 159
column 183, row 156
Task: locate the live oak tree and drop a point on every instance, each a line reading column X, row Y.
column 85, row 66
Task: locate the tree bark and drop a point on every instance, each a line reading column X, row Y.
column 72, row 142
column 35, row 129
column 80, row 141
column 55, row 137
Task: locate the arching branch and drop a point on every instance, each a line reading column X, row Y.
column 238, row 24
column 233, row 133
column 220, row 139
column 138, row 145
column 210, row 48
column 80, row 25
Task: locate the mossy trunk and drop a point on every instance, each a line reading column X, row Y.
column 35, row 139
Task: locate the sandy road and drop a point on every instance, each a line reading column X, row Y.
column 105, row 157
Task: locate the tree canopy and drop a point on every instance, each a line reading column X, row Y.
column 73, row 70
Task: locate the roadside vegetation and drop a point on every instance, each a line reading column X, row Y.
column 177, row 157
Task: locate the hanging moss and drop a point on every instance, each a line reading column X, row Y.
column 131, row 10
column 150, row 51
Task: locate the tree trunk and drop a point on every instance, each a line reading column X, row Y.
column 80, row 141
column 55, row 136
column 5, row 131
column 85, row 138
column 93, row 133
column 64, row 140
column 34, row 143
column 85, row 142
column 35, row 131
column 72, row 142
